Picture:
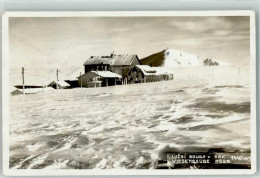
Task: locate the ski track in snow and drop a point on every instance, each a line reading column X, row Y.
column 128, row 126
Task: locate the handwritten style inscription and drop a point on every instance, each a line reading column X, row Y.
column 209, row 158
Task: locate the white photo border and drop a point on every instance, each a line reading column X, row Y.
column 67, row 172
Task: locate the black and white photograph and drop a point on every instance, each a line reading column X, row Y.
column 129, row 92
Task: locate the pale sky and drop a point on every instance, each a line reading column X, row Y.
column 62, row 41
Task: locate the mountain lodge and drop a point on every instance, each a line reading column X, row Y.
column 119, row 64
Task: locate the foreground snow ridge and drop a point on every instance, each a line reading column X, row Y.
column 174, row 58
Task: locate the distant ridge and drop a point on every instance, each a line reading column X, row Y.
column 176, row 58
column 156, row 59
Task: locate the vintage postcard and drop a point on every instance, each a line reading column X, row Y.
column 129, row 93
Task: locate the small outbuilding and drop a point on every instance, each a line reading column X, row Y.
column 98, row 79
column 61, row 84
column 30, row 91
column 72, row 83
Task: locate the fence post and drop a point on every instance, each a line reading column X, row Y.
column 23, row 78
column 57, row 85
column 80, row 81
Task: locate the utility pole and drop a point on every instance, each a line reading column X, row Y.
column 80, row 80
column 23, row 78
column 57, row 85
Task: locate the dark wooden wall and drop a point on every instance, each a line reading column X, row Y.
column 100, row 67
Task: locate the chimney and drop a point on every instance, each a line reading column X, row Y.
column 113, row 54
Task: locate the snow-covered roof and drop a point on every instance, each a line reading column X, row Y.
column 30, row 90
column 111, row 60
column 147, row 70
column 104, row 74
column 107, row 74
column 61, row 83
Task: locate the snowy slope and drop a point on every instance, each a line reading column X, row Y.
column 176, row 58
column 173, row 58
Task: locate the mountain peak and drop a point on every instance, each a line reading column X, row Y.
column 176, row 58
